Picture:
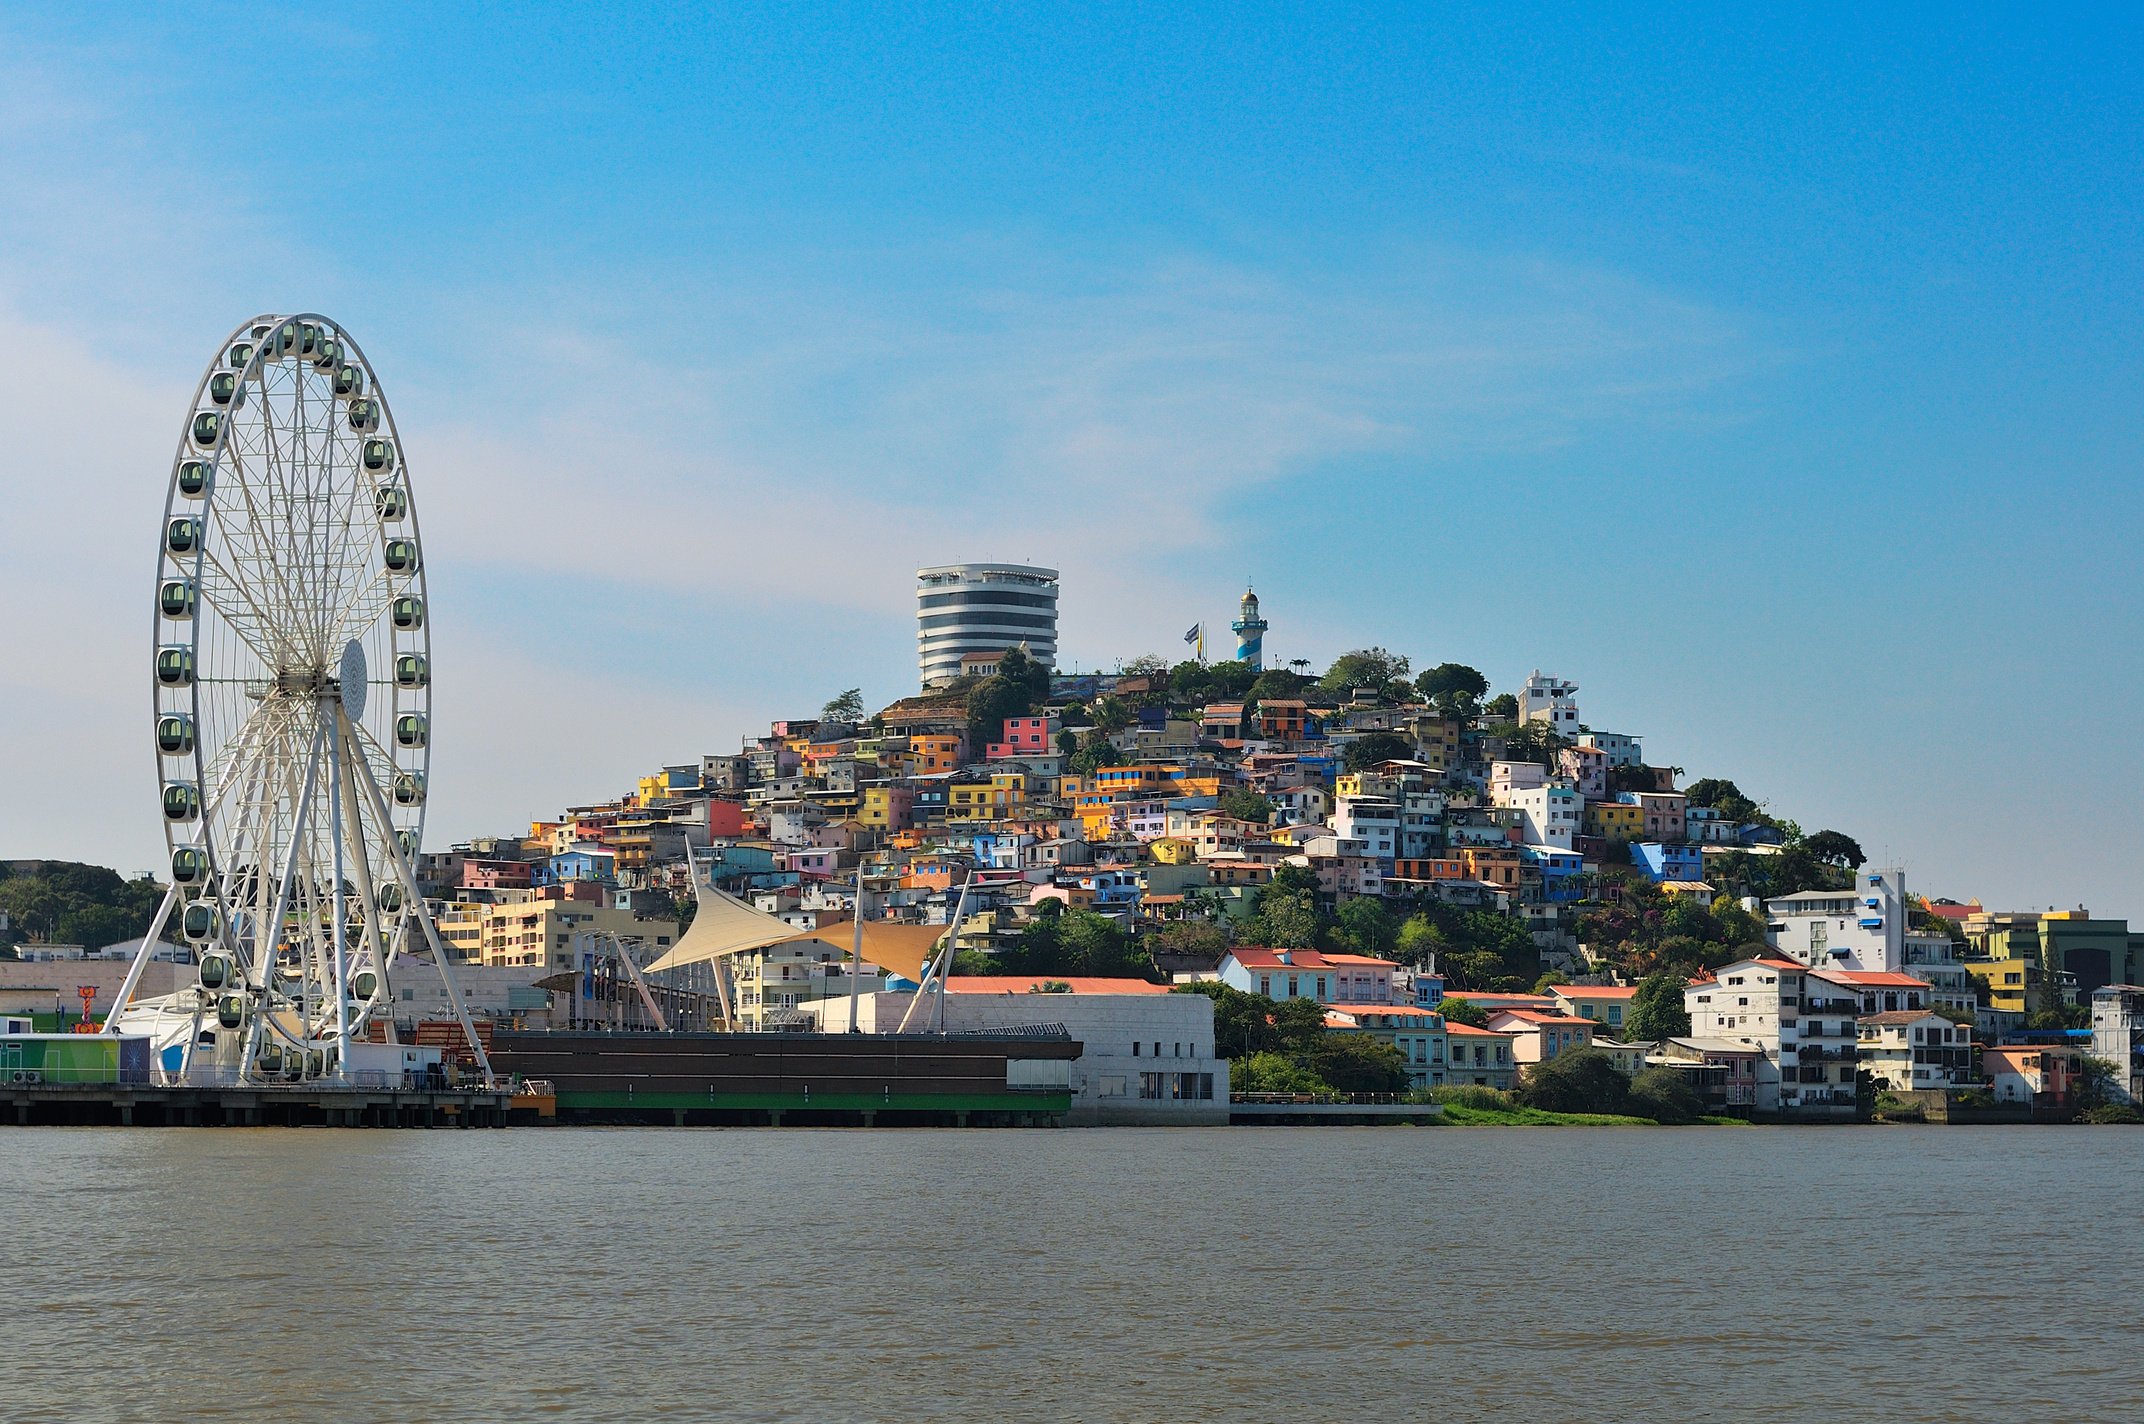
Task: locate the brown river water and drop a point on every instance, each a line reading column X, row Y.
column 1450, row 1274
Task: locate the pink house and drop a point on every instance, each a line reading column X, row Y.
column 817, row 864
column 1026, row 736
column 1587, row 767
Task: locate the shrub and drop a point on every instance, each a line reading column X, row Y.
column 1665, row 1095
column 1472, row 1095
column 1274, row 1073
column 1584, row 1080
column 2113, row 1113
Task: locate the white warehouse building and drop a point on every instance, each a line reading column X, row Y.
column 1146, row 1057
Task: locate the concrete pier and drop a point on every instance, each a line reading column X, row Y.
column 311, row 1105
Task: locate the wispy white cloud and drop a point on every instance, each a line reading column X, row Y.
column 782, row 437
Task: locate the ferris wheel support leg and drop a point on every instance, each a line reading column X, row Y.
column 271, row 928
column 375, row 949
column 141, row 959
column 337, row 763
column 403, row 873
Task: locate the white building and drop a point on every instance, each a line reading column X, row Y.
column 1506, row 777
column 1421, row 823
column 2118, row 1037
column 983, row 608
column 1934, row 958
column 1859, row 928
column 1549, row 699
column 1799, row 1020
column 1619, row 749
column 1914, row 1050
column 1549, row 815
column 1367, row 825
column 1146, row 1055
column 1300, row 805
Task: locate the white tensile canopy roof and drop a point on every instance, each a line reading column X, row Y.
column 725, row 925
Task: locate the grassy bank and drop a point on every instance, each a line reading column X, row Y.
column 1460, row 1115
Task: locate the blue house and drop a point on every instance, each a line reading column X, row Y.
column 1668, row 862
column 1559, row 870
column 574, row 865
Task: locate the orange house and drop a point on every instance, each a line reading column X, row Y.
column 937, row 751
column 1497, row 867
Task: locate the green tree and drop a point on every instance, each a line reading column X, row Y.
column 1284, row 913
column 1367, row 751
column 1269, row 1072
column 1094, row 754
column 1277, row 683
column 1656, row 1010
column 1357, row 1063
column 1098, row 946
column 1019, row 685
column 1111, row 715
column 1583, row 1080
column 1419, row 941
column 1833, row 848
column 1300, row 1023
column 1145, row 665
column 1371, row 668
column 1665, row 1095
column 1247, row 805
column 848, row 708
column 2097, row 1078
column 1363, row 926
column 1504, row 707
column 1724, row 797
column 1449, row 686
column 1191, row 938
column 1242, row 1023
column 1464, row 1011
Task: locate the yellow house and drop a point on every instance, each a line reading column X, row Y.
column 886, row 808
column 1615, row 820
column 997, row 798
column 539, row 933
column 1127, row 782
column 2010, row 981
column 1196, row 786
column 1173, row 850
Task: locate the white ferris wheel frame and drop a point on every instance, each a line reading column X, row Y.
column 257, row 796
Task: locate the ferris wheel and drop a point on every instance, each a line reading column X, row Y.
column 291, row 679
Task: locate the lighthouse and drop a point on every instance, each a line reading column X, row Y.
column 1250, row 633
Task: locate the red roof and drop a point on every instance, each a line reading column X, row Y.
column 1593, row 991
column 1875, row 979
column 1531, row 1017
column 1251, row 958
column 1469, row 1031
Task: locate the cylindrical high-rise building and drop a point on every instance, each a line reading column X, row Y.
column 983, row 608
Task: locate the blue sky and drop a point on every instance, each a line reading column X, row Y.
column 1775, row 377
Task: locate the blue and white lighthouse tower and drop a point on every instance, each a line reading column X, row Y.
column 1250, row 633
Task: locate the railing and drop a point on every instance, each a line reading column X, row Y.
column 1361, row 1099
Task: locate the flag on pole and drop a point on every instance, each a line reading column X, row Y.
column 1193, row 635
